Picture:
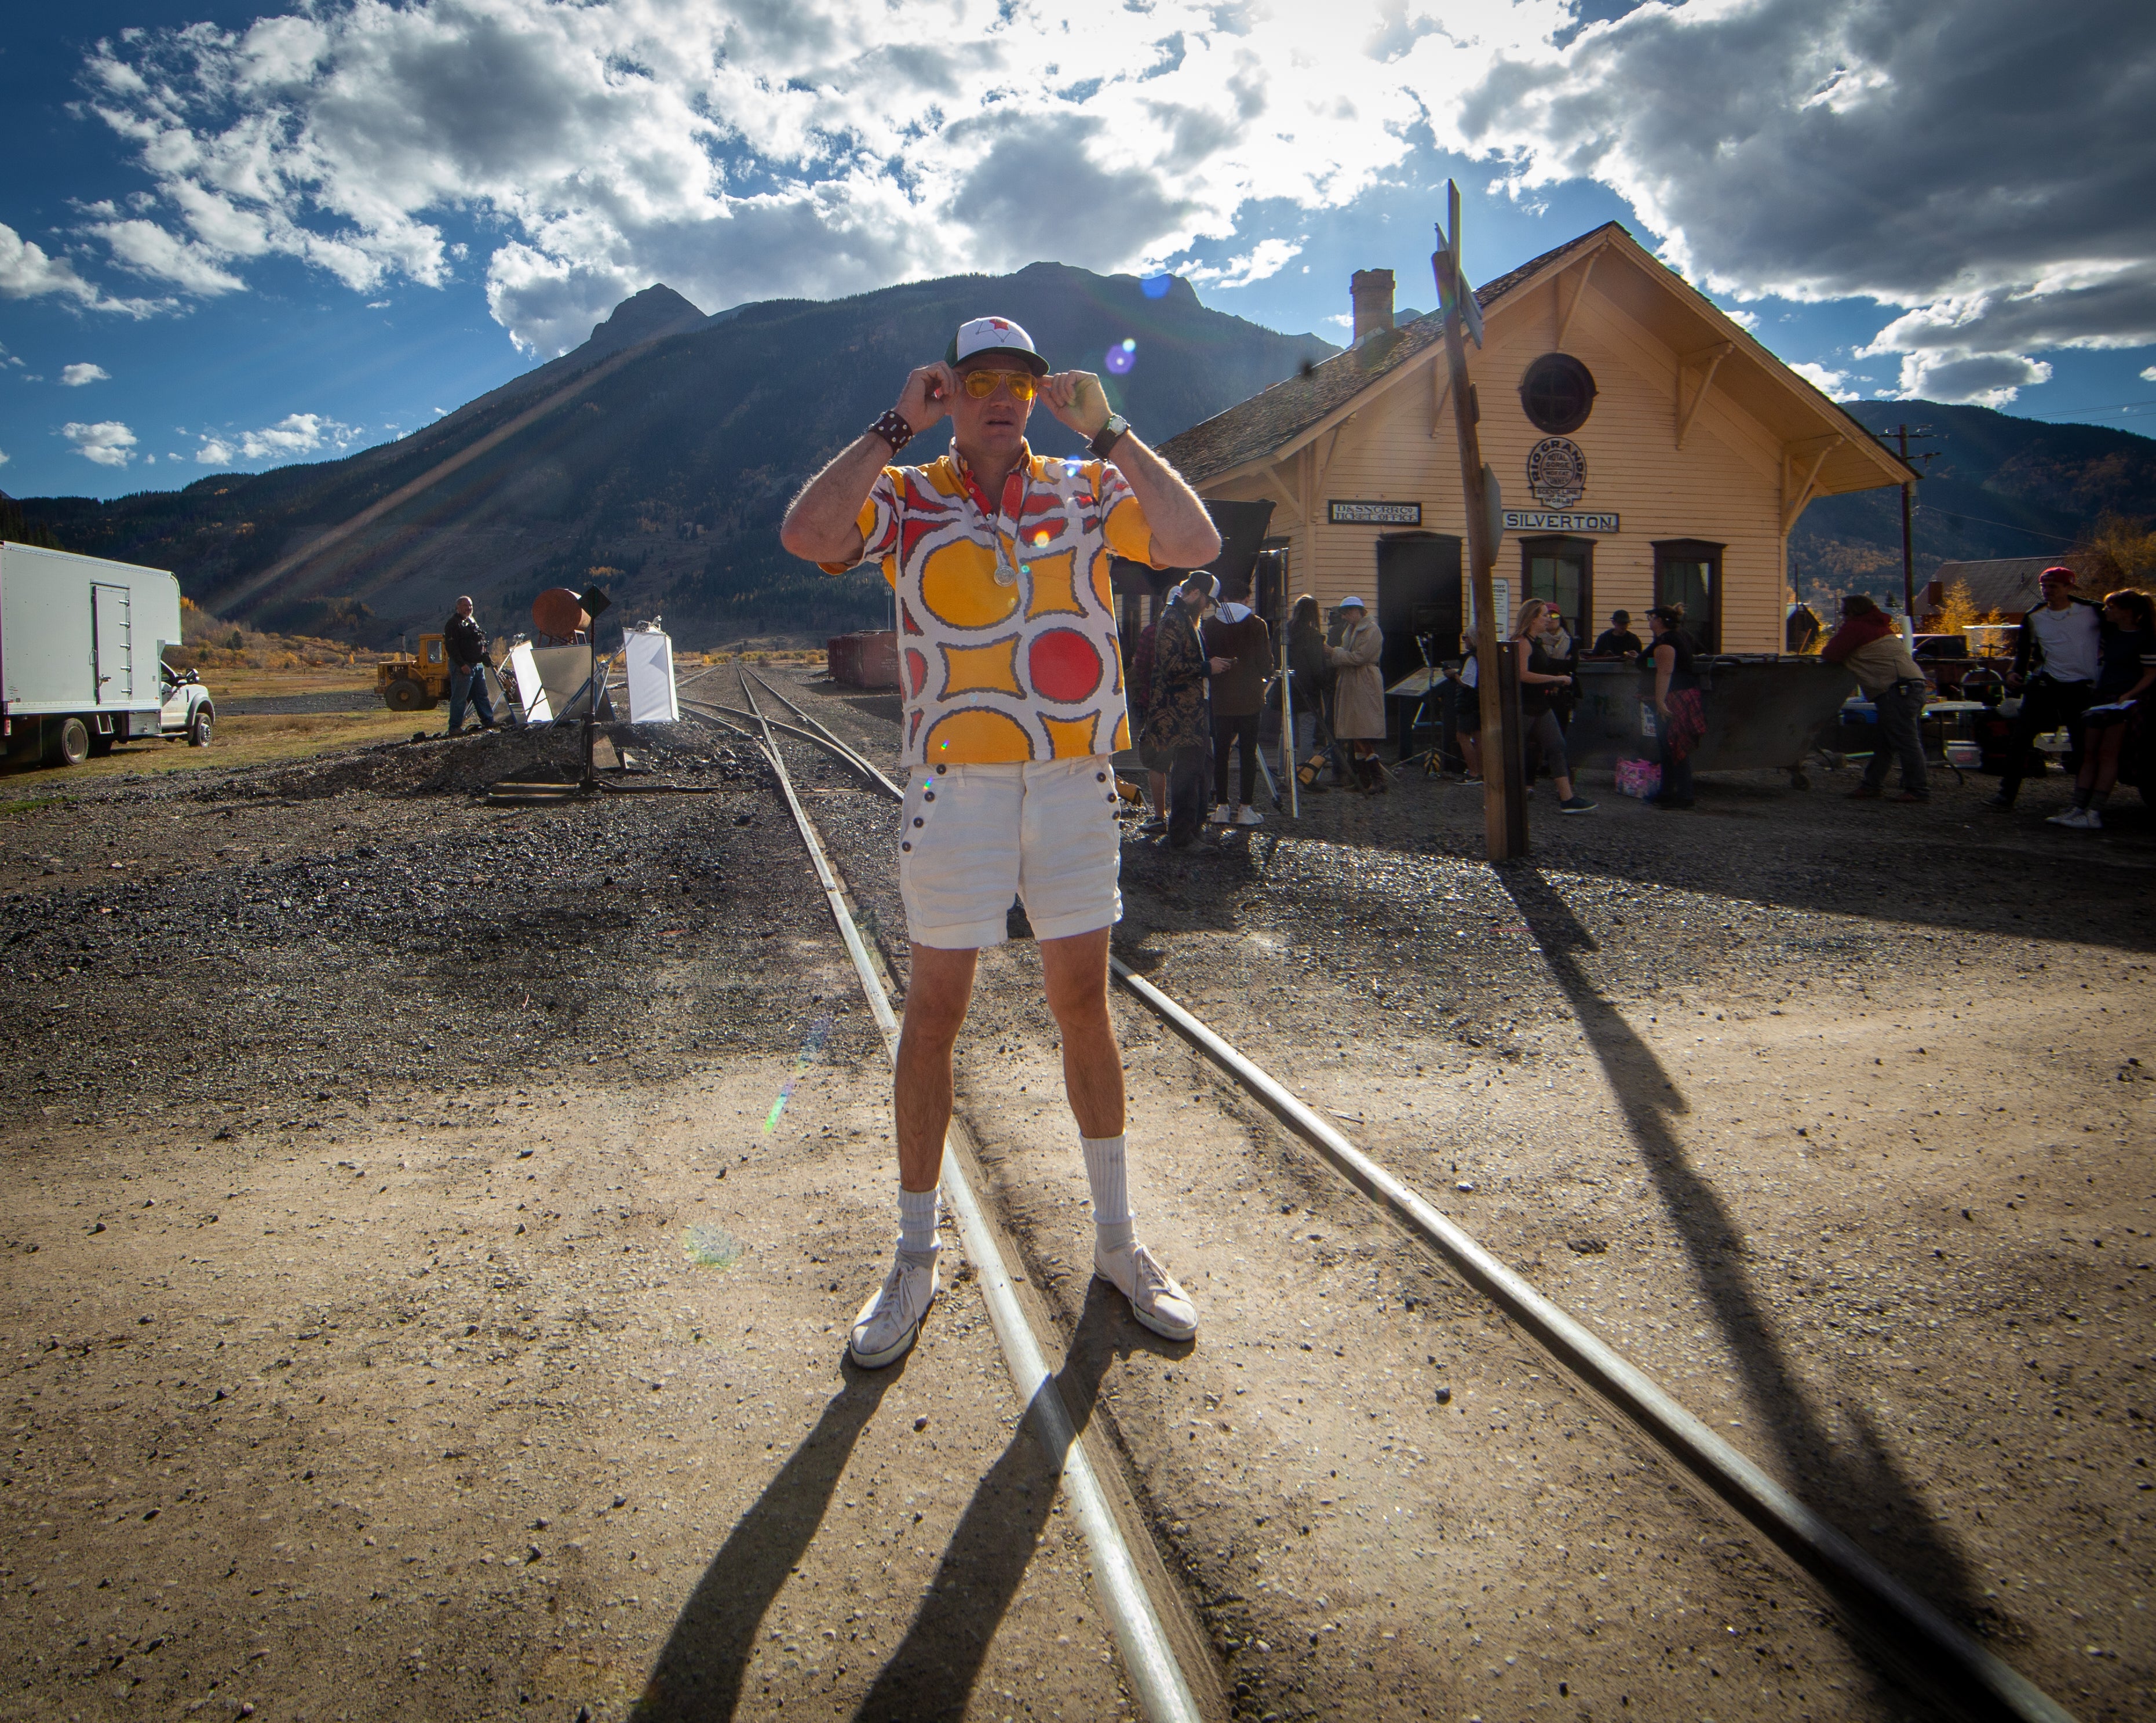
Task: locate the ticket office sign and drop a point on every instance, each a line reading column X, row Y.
column 1373, row 514
column 1537, row 520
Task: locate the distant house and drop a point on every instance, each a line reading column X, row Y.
column 2006, row 584
column 1649, row 450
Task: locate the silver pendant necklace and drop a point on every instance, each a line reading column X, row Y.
column 1006, row 574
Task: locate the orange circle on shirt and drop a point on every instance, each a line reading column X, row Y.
column 978, row 736
column 958, row 586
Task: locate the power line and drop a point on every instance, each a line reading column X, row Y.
column 2011, row 525
column 2115, row 407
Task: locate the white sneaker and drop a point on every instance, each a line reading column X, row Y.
column 1222, row 815
column 2078, row 820
column 889, row 1322
column 1249, row 816
column 2072, row 816
column 1156, row 1299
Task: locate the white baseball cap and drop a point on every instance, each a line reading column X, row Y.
column 995, row 335
column 1351, row 603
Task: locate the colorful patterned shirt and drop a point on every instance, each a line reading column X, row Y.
column 1024, row 668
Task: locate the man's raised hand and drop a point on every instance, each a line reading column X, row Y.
column 1076, row 400
column 926, row 396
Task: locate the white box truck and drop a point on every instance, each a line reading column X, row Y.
column 82, row 657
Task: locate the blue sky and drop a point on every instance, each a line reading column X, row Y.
column 234, row 236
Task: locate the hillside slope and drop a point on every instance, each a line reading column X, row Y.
column 669, row 456
column 1999, row 487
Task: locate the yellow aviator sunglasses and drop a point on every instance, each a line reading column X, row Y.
column 981, row 384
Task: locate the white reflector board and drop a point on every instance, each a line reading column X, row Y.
column 531, row 697
column 650, row 661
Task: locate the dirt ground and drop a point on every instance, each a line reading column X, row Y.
column 410, row 1310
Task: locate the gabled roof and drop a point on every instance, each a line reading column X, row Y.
column 1274, row 423
column 2007, row 583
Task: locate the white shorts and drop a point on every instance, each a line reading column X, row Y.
column 971, row 838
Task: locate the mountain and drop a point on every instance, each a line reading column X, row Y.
column 1997, row 486
column 665, row 450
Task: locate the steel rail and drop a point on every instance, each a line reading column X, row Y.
column 1883, row 1608
column 837, row 749
column 1894, row 1617
column 890, row 788
column 1163, row 1695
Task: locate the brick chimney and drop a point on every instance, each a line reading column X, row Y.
column 1372, row 290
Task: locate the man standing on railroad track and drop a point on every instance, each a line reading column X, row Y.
column 1012, row 684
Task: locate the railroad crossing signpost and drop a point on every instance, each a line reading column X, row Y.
column 1504, row 797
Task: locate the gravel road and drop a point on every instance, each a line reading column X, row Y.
column 1835, row 1119
column 415, row 1306
column 409, row 1311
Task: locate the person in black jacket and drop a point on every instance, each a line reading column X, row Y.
column 1178, row 738
column 2055, row 659
column 465, row 643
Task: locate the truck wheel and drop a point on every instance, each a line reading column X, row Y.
column 405, row 694
column 200, row 726
column 67, row 743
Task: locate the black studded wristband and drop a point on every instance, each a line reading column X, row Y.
column 893, row 429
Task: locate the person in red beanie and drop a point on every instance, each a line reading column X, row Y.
column 1869, row 646
column 2055, row 659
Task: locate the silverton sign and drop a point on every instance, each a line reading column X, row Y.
column 1373, row 514
column 1535, row 520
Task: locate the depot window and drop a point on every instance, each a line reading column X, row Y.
column 1688, row 572
column 1561, row 572
column 1556, row 394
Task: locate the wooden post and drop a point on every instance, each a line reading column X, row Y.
column 1504, row 803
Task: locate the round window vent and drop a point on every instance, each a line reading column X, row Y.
column 1557, row 393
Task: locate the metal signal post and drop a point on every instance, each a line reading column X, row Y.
column 1504, row 799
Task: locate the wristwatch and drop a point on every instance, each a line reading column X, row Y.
column 1109, row 436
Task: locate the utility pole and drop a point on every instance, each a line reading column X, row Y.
column 1504, row 800
column 1902, row 433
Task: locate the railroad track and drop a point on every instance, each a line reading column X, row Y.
column 1943, row 1664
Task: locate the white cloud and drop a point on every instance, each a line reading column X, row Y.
column 4, row 457
column 75, row 376
column 27, row 272
column 1268, row 257
column 1834, row 384
column 109, row 443
column 2149, row 375
column 1978, row 379
column 1809, row 149
column 736, row 149
column 1912, row 152
column 294, row 434
column 148, row 250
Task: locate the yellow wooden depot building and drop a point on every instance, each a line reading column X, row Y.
column 1649, row 449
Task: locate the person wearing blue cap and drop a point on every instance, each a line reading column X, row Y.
column 1012, row 680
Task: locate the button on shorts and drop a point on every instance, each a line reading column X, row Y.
column 971, row 838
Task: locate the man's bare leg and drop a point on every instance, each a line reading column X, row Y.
column 937, row 994
column 936, row 1001
column 1075, row 973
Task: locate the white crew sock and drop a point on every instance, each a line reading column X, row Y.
column 1112, row 1225
column 916, row 1219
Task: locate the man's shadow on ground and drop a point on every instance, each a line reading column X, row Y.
column 1856, row 1479
column 932, row 1673
column 701, row 1669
